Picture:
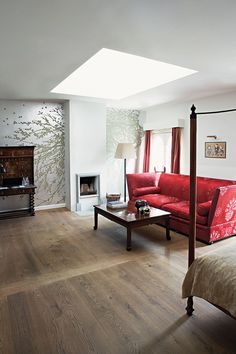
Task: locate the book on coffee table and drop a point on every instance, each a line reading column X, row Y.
column 116, row 204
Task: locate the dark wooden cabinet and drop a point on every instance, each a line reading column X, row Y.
column 17, row 164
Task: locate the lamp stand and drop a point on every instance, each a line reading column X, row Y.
column 125, row 151
column 125, row 180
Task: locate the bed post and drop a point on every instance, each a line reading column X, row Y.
column 193, row 184
column 193, row 194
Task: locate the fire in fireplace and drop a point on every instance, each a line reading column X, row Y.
column 88, row 185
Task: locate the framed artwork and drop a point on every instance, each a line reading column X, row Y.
column 215, row 150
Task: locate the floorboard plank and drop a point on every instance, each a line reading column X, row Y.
column 66, row 288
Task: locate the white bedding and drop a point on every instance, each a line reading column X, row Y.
column 213, row 278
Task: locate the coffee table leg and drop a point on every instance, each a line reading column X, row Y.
column 168, row 228
column 95, row 219
column 128, row 248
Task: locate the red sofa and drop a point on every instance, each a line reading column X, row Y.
column 216, row 202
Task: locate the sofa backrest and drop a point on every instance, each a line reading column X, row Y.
column 174, row 185
column 140, row 180
column 206, row 187
column 179, row 186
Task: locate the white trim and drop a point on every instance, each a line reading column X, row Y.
column 51, row 206
column 89, row 196
column 162, row 131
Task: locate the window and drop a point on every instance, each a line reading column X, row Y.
column 160, row 155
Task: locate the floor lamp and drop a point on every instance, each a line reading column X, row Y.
column 125, row 151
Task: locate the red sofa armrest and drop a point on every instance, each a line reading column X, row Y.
column 223, row 206
column 140, row 180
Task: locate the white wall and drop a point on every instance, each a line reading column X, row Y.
column 87, row 143
column 222, row 125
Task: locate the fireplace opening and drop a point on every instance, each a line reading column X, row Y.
column 87, row 191
column 88, row 185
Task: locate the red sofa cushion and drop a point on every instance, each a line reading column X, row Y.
column 145, row 190
column 181, row 209
column 204, row 208
column 158, row 200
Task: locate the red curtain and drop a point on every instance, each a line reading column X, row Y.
column 175, row 150
column 147, row 146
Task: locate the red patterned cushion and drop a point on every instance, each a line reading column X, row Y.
column 181, row 209
column 145, row 190
column 204, row 208
column 158, row 200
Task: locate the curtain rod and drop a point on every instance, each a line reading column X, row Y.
column 215, row 112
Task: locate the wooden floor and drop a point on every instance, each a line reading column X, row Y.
column 65, row 288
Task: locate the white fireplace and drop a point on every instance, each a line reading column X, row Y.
column 87, row 191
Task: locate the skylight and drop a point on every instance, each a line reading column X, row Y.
column 111, row 74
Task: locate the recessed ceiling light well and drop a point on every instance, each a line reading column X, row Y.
column 111, row 74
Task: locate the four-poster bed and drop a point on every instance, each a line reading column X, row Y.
column 220, row 287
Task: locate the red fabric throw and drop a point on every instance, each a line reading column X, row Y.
column 175, row 150
column 147, row 148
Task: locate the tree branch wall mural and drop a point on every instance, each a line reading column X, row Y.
column 122, row 127
column 42, row 125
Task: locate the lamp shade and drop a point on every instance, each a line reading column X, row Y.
column 125, row 151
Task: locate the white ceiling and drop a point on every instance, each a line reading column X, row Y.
column 43, row 41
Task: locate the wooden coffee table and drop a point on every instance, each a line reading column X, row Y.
column 128, row 218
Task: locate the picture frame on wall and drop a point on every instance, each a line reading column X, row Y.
column 216, row 150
